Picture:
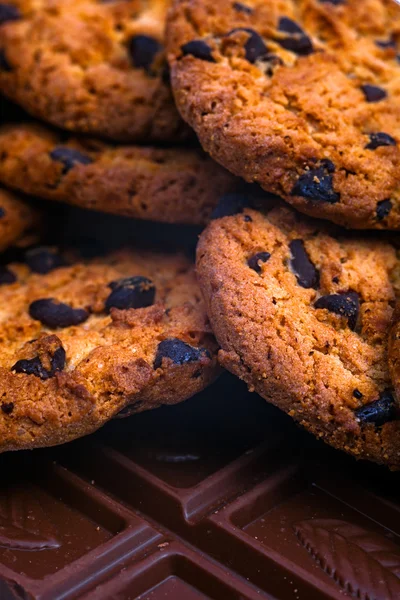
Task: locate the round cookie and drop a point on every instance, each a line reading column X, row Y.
column 84, row 342
column 302, row 315
column 301, row 96
column 17, row 217
column 168, row 185
column 90, row 66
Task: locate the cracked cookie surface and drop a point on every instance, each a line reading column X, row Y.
column 168, row 185
column 83, row 343
column 90, row 66
column 300, row 96
column 302, row 314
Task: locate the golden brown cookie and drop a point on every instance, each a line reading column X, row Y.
column 301, row 96
column 90, row 66
column 85, row 343
column 17, row 217
column 302, row 313
column 169, row 185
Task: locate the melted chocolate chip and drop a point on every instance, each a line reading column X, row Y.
column 179, row 352
column 6, row 276
column 379, row 412
column 230, row 204
column 380, row 139
column 357, row 394
column 260, row 257
column 317, row 184
column 346, row 304
column 33, row 366
column 143, row 49
column 304, row 270
column 199, row 49
column 383, row 208
column 298, row 42
column 4, row 64
column 56, row 314
column 131, row 292
column 7, row 407
column 43, row 260
column 242, row 8
column 373, row 93
column 8, row 13
column 69, row 157
column 254, row 47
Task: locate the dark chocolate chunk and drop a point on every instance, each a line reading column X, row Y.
column 260, row 257
column 8, row 12
column 380, row 139
column 317, row 184
column 43, row 260
column 230, row 204
column 390, row 43
column 131, row 292
column 56, row 314
column 242, row 8
column 69, row 157
column 33, row 366
column 383, row 208
column 306, row 274
column 4, row 64
column 199, row 49
column 7, row 407
column 179, row 352
column 2, row 212
column 373, row 93
column 345, row 304
column 298, row 41
column 254, row 47
column 143, row 49
column 6, row 276
column 357, row 394
column 379, row 412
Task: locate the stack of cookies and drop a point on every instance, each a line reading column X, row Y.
column 273, row 127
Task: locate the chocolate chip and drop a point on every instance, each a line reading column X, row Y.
column 4, row 64
column 242, row 8
column 335, row 279
column 131, row 292
column 334, row 2
column 69, row 157
column 373, row 93
column 254, row 261
column 380, row 139
column 383, row 208
column 33, row 366
column 230, row 204
column 143, row 49
column 2, row 212
column 43, row 260
column 199, row 49
column 345, row 304
column 56, row 314
column 6, row 276
column 357, row 394
column 304, row 270
column 247, row 219
column 317, row 184
column 379, row 412
column 179, row 352
column 8, row 13
column 390, row 43
column 254, row 47
column 298, row 42
column 7, row 407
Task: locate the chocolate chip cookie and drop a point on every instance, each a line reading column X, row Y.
column 17, row 217
column 301, row 96
column 84, row 343
column 302, row 313
column 90, row 66
column 169, row 185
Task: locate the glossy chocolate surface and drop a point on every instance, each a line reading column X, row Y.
column 220, row 498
